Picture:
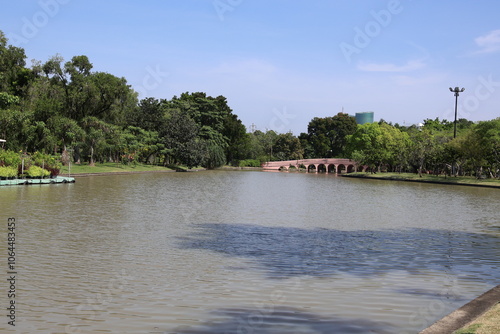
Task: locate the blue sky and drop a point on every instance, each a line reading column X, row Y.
column 282, row 62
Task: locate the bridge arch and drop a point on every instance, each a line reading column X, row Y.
column 328, row 165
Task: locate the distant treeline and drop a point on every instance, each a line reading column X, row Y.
column 65, row 109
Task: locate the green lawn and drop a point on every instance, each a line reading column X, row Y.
column 109, row 167
column 488, row 323
column 430, row 178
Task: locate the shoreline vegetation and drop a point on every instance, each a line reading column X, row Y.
column 488, row 322
column 110, row 168
column 59, row 111
column 428, row 178
column 118, row 168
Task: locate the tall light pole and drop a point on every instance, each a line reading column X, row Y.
column 457, row 92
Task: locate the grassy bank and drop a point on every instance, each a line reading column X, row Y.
column 462, row 180
column 110, row 168
column 488, row 323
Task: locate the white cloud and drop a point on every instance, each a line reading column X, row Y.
column 489, row 43
column 411, row 65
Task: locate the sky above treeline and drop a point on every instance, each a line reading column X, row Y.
column 282, row 62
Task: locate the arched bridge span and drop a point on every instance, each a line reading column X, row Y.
column 326, row 165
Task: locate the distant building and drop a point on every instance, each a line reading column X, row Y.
column 364, row 117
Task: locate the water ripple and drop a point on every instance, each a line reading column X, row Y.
column 284, row 252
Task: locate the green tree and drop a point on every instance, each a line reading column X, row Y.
column 7, row 100
column 237, row 138
column 327, row 136
column 423, row 149
column 66, row 131
column 89, row 94
column 378, row 145
column 288, row 147
column 181, row 136
column 479, row 148
column 14, row 77
column 149, row 114
column 488, row 133
column 95, row 136
column 220, row 132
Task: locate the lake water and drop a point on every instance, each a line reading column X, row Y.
column 245, row 252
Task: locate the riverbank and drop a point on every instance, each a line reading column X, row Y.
column 439, row 179
column 111, row 168
column 479, row 316
column 488, row 323
column 114, row 168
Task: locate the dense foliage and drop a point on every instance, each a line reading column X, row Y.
column 60, row 111
column 430, row 148
column 68, row 109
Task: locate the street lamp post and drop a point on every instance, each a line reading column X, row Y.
column 457, row 92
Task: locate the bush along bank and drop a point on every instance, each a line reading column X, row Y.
column 20, row 165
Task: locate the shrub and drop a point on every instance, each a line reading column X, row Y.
column 46, row 161
column 6, row 172
column 49, row 162
column 249, row 163
column 9, row 158
column 38, row 172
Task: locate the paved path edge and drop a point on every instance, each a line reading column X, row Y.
column 465, row 314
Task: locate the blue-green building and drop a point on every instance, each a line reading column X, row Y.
column 364, row 117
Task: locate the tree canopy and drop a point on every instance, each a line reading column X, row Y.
column 68, row 109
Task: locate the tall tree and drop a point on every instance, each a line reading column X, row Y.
column 327, row 136
column 14, row 76
column 377, row 145
column 95, row 135
column 181, row 136
column 288, row 147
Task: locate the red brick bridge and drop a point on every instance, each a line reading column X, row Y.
column 327, row 165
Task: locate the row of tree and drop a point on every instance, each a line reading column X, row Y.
column 431, row 148
column 67, row 109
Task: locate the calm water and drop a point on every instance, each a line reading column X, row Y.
column 246, row 252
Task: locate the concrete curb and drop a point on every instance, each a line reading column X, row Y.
column 465, row 314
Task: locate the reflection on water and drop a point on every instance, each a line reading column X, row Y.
column 248, row 252
column 284, row 252
column 287, row 320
